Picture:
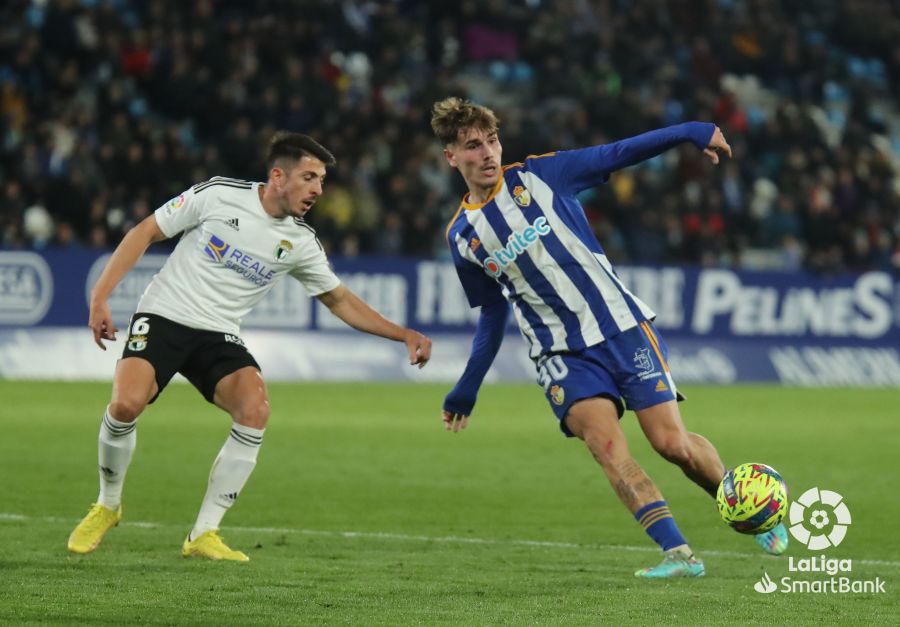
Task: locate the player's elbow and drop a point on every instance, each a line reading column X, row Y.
column 334, row 297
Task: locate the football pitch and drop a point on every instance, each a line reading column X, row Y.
column 364, row 511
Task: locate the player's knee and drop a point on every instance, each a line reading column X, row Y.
column 606, row 450
column 126, row 409
column 255, row 415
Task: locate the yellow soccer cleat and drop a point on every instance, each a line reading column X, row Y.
column 90, row 531
column 209, row 544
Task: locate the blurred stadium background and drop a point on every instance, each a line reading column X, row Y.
column 780, row 264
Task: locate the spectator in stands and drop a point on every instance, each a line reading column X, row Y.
column 93, row 103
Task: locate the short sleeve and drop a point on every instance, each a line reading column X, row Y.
column 315, row 273
column 480, row 289
column 182, row 212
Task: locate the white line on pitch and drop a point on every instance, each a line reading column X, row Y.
column 381, row 535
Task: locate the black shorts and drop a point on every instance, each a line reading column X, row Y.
column 203, row 357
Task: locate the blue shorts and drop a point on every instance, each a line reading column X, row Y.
column 631, row 367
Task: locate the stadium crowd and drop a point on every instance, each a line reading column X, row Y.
column 110, row 107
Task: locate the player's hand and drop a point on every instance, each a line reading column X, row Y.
column 101, row 324
column 419, row 347
column 717, row 143
column 454, row 422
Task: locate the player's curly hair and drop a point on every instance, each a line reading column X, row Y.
column 451, row 115
column 287, row 148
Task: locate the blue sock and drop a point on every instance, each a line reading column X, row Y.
column 657, row 521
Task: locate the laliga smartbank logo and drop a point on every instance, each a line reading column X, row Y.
column 819, row 520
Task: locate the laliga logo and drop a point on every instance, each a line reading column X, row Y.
column 819, row 509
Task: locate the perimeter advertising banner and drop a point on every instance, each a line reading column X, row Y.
column 722, row 326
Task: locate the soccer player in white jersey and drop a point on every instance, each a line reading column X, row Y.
column 520, row 239
column 238, row 239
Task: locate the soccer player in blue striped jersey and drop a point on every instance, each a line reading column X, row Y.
column 520, row 240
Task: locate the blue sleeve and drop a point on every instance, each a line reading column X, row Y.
column 487, row 341
column 571, row 171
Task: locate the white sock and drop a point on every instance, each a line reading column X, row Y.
column 229, row 473
column 682, row 549
column 115, row 446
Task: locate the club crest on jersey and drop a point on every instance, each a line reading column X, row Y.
column 283, row 249
column 522, row 196
column 516, row 244
column 557, row 394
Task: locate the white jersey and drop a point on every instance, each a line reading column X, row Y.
column 230, row 255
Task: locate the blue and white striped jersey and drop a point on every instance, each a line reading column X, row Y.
column 531, row 244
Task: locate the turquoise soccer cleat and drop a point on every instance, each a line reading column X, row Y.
column 674, row 564
column 774, row 542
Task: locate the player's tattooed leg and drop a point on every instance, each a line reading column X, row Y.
column 633, row 487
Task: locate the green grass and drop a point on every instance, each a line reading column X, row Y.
column 362, row 510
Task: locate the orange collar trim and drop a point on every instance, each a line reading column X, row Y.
column 450, row 226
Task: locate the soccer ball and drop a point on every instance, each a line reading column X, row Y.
column 752, row 498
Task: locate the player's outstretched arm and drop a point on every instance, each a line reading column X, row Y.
column 353, row 310
column 460, row 401
column 575, row 170
column 126, row 254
